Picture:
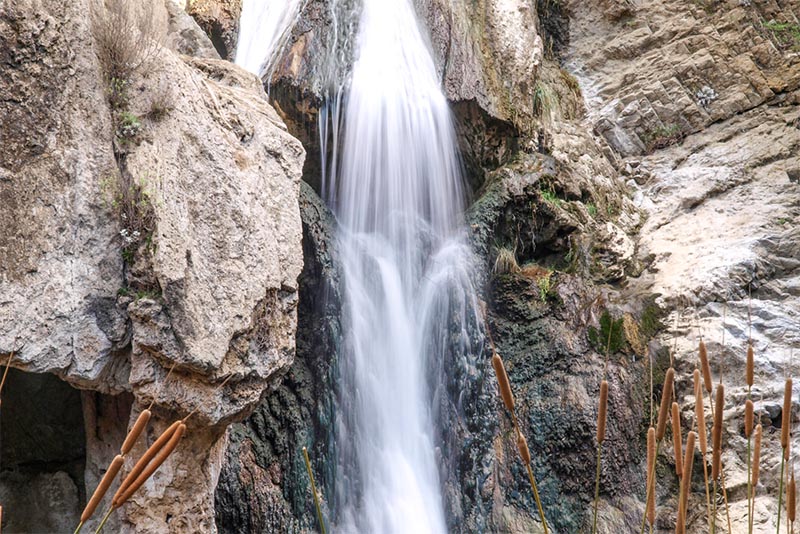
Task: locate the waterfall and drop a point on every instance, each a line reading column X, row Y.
column 263, row 25
column 395, row 185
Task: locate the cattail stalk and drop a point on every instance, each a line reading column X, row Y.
column 785, row 422
column 750, row 368
column 716, row 433
column 748, row 431
column 650, row 506
column 502, row 382
column 791, row 502
column 700, row 418
column 756, row 462
column 686, row 483
column 661, row 428
column 508, row 400
column 314, row 490
column 601, row 435
column 666, row 397
column 676, row 439
column 136, row 430
column 705, row 366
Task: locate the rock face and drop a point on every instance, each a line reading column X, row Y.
column 197, row 273
column 711, row 89
column 220, row 20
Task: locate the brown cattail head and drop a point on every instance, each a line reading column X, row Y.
column 651, row 464
column 786, row 419
column 676, row 439
column 524, row 451
column 129, row 485
column 666, row 397
column 686, row 481
column 750, row 365
column 748, row 417
column 136, row 431
column 756, row 454
column 102, row 488
column 791, row 499
column 716, row 433
column 705, row 366
column 601, row 416
column 502, row 382
column 700, row 412
column 148, row 455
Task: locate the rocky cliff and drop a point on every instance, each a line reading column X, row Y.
column 150, row 223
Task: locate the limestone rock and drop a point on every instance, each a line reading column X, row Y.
column 222, row 178
column 220, row 21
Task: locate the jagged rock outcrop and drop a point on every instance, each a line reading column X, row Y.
column 91, row 295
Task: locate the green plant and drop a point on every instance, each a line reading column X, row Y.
column 592, row 209
column 610, row 334
column 131, row 200
column 785, row 33
column 662, row 136
column 128, row 125
column 117, row 93
column 545, row 102
column 544, row 283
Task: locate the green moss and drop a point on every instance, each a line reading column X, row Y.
column 650, row 324
column 610, row 336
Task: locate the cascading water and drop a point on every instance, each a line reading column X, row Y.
column 395, row 186
column 262, row 26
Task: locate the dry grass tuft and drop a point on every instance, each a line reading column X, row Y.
column 506, row 262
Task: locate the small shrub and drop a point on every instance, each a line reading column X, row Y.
column 549, row 195
column 130, row 199
column 162, row 102
column 571, row 82
column 591, row 208
column 506, row 261
column 127, row 35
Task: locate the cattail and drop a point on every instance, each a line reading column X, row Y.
column 705, row 366
column 149, row 454
column 676, row 439
column 102, row 488
column 666, row 396
column 130, row 485
column 651, row 464
column 502, row 382
column 700, row 413
column 136, row 431
column 748, row 418
column 686, row 482
column 791, row 495
column 750, row 365
column 601, row 416
column 524, row 451
column 756, row 454
column 786, row 415
column 716, row 433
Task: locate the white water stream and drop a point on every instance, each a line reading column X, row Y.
column 397, row 192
